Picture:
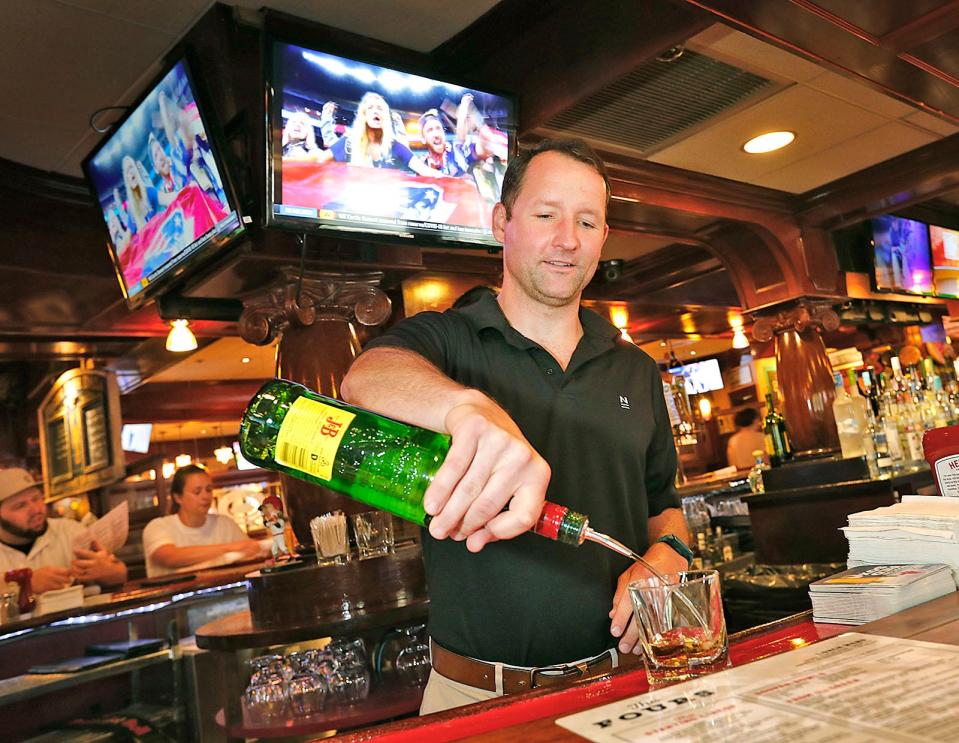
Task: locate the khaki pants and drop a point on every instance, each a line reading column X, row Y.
column 442, row 693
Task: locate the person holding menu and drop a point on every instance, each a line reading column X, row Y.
column 541, row 397
column 29, row 539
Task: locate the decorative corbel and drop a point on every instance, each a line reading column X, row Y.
column 802, row 315
column 298, row 301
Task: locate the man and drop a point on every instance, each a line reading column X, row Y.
column 29, row 539
column 511, row 377
column 449, row 159
column 747, row 439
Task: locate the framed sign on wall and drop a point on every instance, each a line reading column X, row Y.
column 79, row 422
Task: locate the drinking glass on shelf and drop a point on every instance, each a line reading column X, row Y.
column 265, row 667
column 374, row 533
column 347, row 651
column 413, row 660
column 307, row 693
column 330, row 539
column 266, row 702
column 350, row 684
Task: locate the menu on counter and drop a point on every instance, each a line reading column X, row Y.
column 850, row 687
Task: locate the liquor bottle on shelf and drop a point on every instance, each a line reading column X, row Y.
column 680, row 412
column 755, row 477
column 778, row 445
column 897, row 381
column 368, row 457
column 873, row 444
column 871, row 383
column 849, row 421
column 889, row 421
column 910, row 418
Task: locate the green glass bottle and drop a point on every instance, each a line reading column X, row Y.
column 777, row 437
column 368, row 457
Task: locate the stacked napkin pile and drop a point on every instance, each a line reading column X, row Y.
column 921, row 530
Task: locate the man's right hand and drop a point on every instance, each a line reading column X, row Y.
column 490, row 467
column 50, row 579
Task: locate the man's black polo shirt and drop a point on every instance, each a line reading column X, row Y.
column 603, row 427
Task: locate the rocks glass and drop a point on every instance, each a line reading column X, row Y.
column 681, row 625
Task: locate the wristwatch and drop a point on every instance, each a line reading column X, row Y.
column 679, row 545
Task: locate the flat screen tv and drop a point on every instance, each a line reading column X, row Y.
column 136, row 437
column 901, row 255
column 700, row 376
column 159, row 183
column 945, row 260
column 362, row 148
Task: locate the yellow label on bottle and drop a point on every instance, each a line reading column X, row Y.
column 310, row 436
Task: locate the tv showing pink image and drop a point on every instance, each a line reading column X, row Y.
column 160, row 187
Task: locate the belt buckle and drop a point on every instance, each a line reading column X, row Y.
column 566, row 670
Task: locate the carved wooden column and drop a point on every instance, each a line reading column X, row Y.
column 804, row 373
column 314, row 320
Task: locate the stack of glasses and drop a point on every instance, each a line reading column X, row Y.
column 301, row 683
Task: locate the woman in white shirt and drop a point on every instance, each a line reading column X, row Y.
column 192, row 537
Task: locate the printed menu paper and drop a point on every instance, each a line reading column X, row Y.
column 850, row 687
column 110, row 531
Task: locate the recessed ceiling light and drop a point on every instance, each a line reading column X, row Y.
column 245, row 360
column 692, row 353
column 768, row 142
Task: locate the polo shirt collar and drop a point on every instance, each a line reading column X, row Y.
column 599, row 334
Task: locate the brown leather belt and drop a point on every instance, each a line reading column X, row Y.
column 482, row 675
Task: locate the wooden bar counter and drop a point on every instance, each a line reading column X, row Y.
column 530, row 718
column 97, row 616
column 136, row 610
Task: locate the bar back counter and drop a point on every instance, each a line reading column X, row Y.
column 798, row 519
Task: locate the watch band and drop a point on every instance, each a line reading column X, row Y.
column 677, row 544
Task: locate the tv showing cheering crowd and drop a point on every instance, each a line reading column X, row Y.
column 362, row 147
column 159, row 186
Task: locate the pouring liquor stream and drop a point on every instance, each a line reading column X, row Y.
column 591, row 535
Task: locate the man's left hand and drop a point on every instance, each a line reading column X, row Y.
column 93, row 565
column 666, row 560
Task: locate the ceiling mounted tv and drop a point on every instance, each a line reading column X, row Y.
column 901, row 255
column 136, row 437
column 700, row 376
column 159, row 182
column 945, row 260
column 358, row 147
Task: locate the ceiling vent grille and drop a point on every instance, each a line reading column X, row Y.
column 659, row 101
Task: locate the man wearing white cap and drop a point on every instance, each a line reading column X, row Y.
column 29, row 539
